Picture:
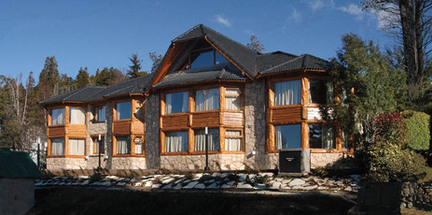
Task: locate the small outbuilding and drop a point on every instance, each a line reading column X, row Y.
column 17, row 175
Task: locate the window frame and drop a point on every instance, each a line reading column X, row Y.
column 163, row 147
column 333, row 136
column 115, row 108
column 174, row 92
column 96, row 109
column 218, row 88
column 216, row 143
column 70, row 115
column 50, row 121
column 189, row 63
column 241, row 137
column 327, row 93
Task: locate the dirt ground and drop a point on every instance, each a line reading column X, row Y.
column 124, row 201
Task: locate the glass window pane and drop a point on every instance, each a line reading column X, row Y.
column 124, row 110
column 138, row 109
column 200, row 140
column 207, row 100
column 138, row 145
column 321, row 136
column 57, row 146
column 76, row 147
column 202, row 59
column 77, row 116
column 287, row 92
column 288, row 136
column 233, row 143
column 97, row 145
column 320, row 92
column 176, row 141
column 100, row 114
column 57, row 116
column 232, row 99
column 220, row 59
column 177, row 102
column 123, row 145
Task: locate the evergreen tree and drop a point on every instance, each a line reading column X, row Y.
column 135, row 67
column 83, row 78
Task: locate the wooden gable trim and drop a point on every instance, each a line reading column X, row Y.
column 173, row 52
column 229, row 59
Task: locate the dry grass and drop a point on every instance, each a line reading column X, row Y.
column 414, row 211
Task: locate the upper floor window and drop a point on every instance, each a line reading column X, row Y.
column 320, row 92
column 77, row 116
column 124, row 110
column 177, row 102
column 99, row 113
column 287, row 93
column 138, row 109
column 232, row 99
column 57, row 116
column 207, row 99
column 206, row 58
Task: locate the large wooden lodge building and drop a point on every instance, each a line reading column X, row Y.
column 253, row 104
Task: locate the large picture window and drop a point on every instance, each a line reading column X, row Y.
column 76, row 147
column 124, row 110
column 123, row 145
column 206, row 58
column 177, row 102
column 288, row 136
column 233, row 140
column 320, row 92
column 176, row 141
column 200, row 140
column 77, row 116
column 206, row 100
column 57, row 116
column 57, row 146
column 232, row 99
column 321, row 136
column 287, row 93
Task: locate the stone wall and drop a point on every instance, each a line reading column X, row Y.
column 317, row 159
column 16, row 195
column 197, row 162
column 416, row 195
column 129, row 163
column 93, row 129
column 91, row 162
column 109, row 134
column 152, row 142
column 255, row 128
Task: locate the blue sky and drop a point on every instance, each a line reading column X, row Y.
column 98, row 34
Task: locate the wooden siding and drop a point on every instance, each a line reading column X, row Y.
column 175, row 122
column 76, row 130
column 122, row 127
column 210, row 119
column 286, row 115
column 232, row 118
column 137, row 127
column 58, row 131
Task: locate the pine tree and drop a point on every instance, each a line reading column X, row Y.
column 83, row 78
column 135, row 67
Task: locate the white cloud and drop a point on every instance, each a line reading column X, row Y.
column 353, row 10
column 319, row 4
column 295, row 16
column 224, row 21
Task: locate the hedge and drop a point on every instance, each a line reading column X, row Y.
column 418, row 131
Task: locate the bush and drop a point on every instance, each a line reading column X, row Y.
column 391, row 163
column 418, row 133
column 388, row 127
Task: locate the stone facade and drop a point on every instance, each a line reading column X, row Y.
column 317, row 159
column 255, row 132
column 197, row 162
column 152, row 131
column 128, row 163
column 91, row 162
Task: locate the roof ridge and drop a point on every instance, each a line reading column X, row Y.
column 282, row 64
column 193, row 28
column 210, row 29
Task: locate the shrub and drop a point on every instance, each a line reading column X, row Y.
column 388, row 127
column 391, row 163
column 418, row 133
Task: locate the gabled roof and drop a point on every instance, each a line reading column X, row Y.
column 17, row 165
column 304, row 61
column 244, row 57
column 91, row 93
column 225, row 71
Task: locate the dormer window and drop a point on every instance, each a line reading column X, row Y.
column 208, row 57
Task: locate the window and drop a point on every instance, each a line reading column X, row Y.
column 206, row 58
column 344, row 140
column 138, row 109
column 57, row 116
column 97, row 145
column 287, row 93
column 57, row 146
column 123, row 145
column 321, row 136
column 320, row 92
column 176, row 141
column 233, row 140
column 138, row 145
column 288, row 136
column 99, row 113
column 77, row 116
column 232, row 99
column 124, row 110
column 177, row 102
column 76, row 147
column 207, row 99
column 200, row 140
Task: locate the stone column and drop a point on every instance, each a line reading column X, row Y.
column 152, row 131
column 109, row 134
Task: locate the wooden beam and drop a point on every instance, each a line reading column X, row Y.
column 304, row 135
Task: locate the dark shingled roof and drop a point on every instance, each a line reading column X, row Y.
column 17, row 165
column 225, row 71
column 304, row 61
column 269, row 60
column 136, row 85
column 239, row 53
